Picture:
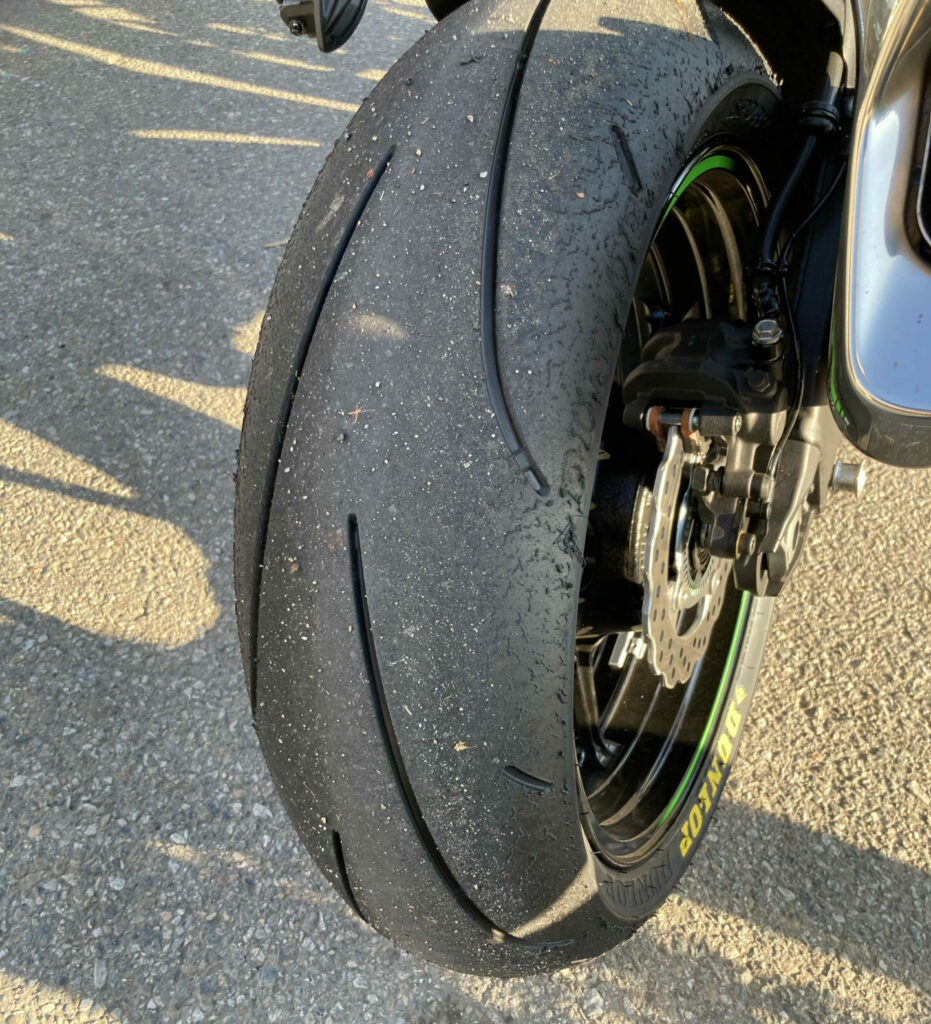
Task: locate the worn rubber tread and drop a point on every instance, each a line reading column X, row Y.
column 391, row 744
column 504, row 415
column 471, row 578
column 258, row 505
column 346, row 886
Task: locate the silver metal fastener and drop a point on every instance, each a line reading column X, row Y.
column 849, row 476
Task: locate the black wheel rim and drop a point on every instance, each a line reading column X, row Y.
column 640, row 744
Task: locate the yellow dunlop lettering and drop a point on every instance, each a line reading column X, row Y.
column 701, row 808
column 733, row 720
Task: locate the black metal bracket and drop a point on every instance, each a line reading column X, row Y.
column 331, row 22
column 299, row 18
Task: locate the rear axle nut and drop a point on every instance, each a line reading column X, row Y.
column 849, row 477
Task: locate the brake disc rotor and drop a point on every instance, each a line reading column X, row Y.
column 681, row 600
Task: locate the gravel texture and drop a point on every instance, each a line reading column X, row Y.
column 148, row 872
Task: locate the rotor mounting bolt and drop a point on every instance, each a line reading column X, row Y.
column 849, row 477
column 766, row 333
column 296, row 27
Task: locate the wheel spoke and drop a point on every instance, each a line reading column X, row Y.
column 672, row 737
column 617, row 769
column 586, row 696
column 732, row 248
column 625, row 658
column 699, row 263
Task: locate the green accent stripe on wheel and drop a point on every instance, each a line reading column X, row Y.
column 718, row 162
column 723, row 687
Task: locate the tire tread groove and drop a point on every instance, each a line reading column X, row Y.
column 504, row 415
column 344, row 875
column 297, row 365
column 392, row 747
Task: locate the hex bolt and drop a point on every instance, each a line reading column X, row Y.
column 759, row 381
column 296, row 27
column 766, row 333
column 849, row 477
column 705, row 480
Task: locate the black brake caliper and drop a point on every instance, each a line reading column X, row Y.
column 724, row 382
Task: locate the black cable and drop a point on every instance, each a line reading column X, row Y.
column 799, row 382
column 776, row 212
column 782, row 268
column 818, row 117
column 819, row 206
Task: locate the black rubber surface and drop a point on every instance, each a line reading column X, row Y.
column 443, row 8
column 408, row 614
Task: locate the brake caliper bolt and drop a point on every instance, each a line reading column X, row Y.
column 760, row 381
column 761, row 487
column 767, row 333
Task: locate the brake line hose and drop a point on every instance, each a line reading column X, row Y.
column 819, row 117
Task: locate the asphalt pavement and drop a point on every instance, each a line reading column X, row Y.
column 154, row 158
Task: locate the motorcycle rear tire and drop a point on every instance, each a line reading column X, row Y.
column 408, row 541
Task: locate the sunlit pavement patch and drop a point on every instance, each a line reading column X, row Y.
column 104, row 569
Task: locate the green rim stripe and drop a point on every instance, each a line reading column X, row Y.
column 723, row 687
column 719, row 162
